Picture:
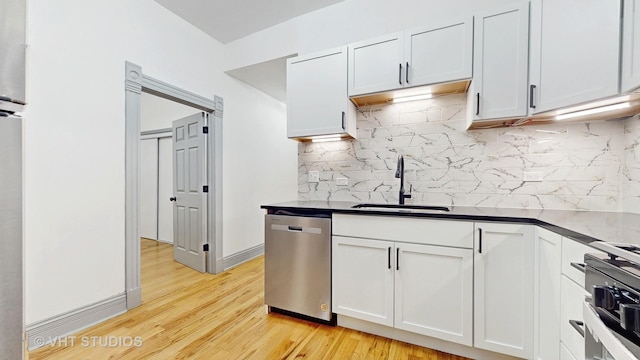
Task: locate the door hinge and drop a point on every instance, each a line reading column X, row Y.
column 205, row 247
column 205, row 129
column 205, row 188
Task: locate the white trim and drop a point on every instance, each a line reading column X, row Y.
column 243, row 256
column 46, row 331
column 136, row 83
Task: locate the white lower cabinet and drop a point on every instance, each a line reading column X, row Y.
column 433, row 291
column 548, row 249
column 363, row 279
column 571, row 311
column 424, row 289
column 565, row 354
column 503, row 288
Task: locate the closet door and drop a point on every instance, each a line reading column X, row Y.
column 165, row 191
column 148, row 211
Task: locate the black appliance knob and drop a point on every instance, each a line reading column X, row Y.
column 605, row 297
column 630, row 317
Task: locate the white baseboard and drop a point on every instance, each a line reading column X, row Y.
column 242, row 256
column 46, row 331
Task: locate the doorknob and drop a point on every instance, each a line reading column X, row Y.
column 173, row 198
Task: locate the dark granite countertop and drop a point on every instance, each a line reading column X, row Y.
column 584, row 226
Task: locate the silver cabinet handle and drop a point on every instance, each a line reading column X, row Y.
column 400, row 74
column 578, row 325
column 581, row 267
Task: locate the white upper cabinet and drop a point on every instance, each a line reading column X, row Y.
column 575, row 52
column 414, row 57
column 376, row 65
column 630, row 46
column 439, row 54
column 500, row 64
column 317, row 101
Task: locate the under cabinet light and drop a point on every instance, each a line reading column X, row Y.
column 326, row 138
column 593, row 111
column 412, row 98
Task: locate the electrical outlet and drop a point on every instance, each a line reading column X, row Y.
column 342, row 181
column 314, row 176
column 532, row 176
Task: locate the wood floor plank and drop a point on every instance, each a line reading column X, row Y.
column 189, row 315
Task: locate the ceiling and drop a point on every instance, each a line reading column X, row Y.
column 229, row 20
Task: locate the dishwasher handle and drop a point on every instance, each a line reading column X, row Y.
column 297, row 229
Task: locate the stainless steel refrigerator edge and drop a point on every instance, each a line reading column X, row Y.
column 11, row 284
column 13, row 54
column 12, row 99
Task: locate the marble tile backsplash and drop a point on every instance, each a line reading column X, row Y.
column 631, row 172
column 585, row 166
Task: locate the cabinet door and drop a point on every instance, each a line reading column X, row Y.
column 571, row 310
column 500, row 65
column 575, row 51
column 547, row 272
column 503, row 289
column 362, row 279
column 317, row 94
column 376, row 65
column 630, row 45
column 439, row 54
column 434, row 291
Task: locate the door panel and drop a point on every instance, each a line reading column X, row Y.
column 165, row 190
column 363, row 279
column 439, row 54
column 189, row 148
column 148, row 219
column 433, row 291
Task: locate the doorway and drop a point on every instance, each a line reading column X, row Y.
column 136, row 83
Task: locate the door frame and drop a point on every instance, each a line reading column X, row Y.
column 135, row 84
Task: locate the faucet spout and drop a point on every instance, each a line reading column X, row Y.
column 400, row 175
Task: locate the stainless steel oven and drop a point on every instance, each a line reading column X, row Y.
column 612, row 312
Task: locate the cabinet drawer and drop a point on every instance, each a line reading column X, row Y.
column 405, row 229
column 572, row 296
column 573, row 252
column 565, row 354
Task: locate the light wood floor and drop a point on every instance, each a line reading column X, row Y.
column 188, row 315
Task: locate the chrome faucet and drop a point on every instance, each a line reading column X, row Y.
column 400, row 175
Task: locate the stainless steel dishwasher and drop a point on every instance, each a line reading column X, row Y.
column 298, row 265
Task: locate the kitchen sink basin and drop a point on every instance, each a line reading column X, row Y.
column 400, row 207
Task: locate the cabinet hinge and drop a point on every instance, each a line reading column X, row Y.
column 205, row 129
column 205, row 247
column 205, row 188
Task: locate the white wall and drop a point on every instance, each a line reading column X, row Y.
column 74, row 141
column 345, row 22
column 158, row 113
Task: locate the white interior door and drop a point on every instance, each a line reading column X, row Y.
column 148, row 213
column 189, row 178
column 165, row 189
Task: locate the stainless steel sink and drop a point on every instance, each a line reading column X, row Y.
column 400, row 207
